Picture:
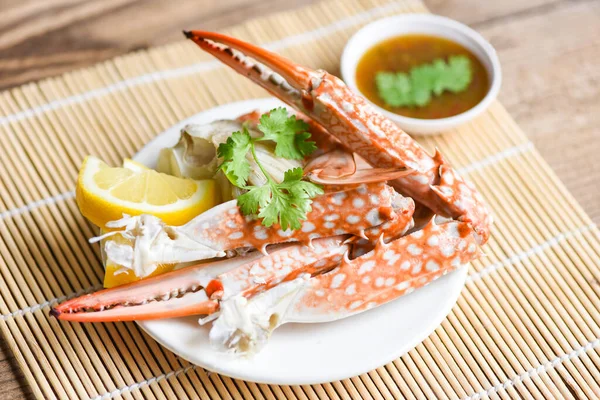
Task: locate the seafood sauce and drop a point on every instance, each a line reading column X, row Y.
column 402, row 53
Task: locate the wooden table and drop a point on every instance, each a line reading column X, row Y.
column 549, row 50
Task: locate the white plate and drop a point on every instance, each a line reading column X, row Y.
column 308, row 353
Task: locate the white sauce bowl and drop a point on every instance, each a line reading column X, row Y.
column 427, row 24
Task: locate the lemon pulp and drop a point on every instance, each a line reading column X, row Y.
column 105, row 193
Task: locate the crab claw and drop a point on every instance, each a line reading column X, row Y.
column 198, row 290
column 174, row 294
column 276, row 74
column 369, row 175
column 338, row 163
column 358, row 126
column 386, row 273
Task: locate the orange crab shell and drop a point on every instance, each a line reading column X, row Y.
column 390, row 270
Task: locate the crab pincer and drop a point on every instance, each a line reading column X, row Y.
column 224, row 229
column 197, row 290
column 379, row 211
column 359, row 128
column 387, row 272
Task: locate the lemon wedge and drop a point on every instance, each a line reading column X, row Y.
column 134, row 165
column 105, row 193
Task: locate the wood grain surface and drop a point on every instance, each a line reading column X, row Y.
column 549, row 50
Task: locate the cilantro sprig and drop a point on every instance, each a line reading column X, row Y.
column 289, row 133
column 415, row 88
column 287, row 202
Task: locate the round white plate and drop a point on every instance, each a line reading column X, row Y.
column 308, row 353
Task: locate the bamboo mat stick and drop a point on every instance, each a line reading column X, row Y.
column 492, row 373
column 438, row 355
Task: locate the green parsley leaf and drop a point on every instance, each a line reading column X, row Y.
column 293, row 183
column 416, row 87
column 290, row 202
column 289, row 133
column 235, row 165
column 254, row 199
column 286, row 203
column 281, row 209
column 458, row 75
column 394, row 89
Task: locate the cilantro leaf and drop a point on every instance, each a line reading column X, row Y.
column 305, row 147
column 281, row 209
column 289, row 204
column 270, row 123
column 289, row 133
column 416, row 87
column 459, row 74
column 293, row 184
column 437, row 69
column 254, row 199
column 393, row 88
column 235, row 164
column 286, row 203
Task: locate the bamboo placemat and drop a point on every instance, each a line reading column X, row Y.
column 526, row 325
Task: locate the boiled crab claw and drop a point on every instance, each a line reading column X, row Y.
column 224, row 230
column 387, row 272
column 336, row 165
column 357, row 126
column 357, row 249
column 293, row 283
column 197, row 290
column 378, row 212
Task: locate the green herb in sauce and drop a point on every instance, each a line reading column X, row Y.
column 406, row 52
column 415, row 88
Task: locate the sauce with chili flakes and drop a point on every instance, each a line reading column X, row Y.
column 402, row 53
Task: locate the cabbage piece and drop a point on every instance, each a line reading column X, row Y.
column 195, row 156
